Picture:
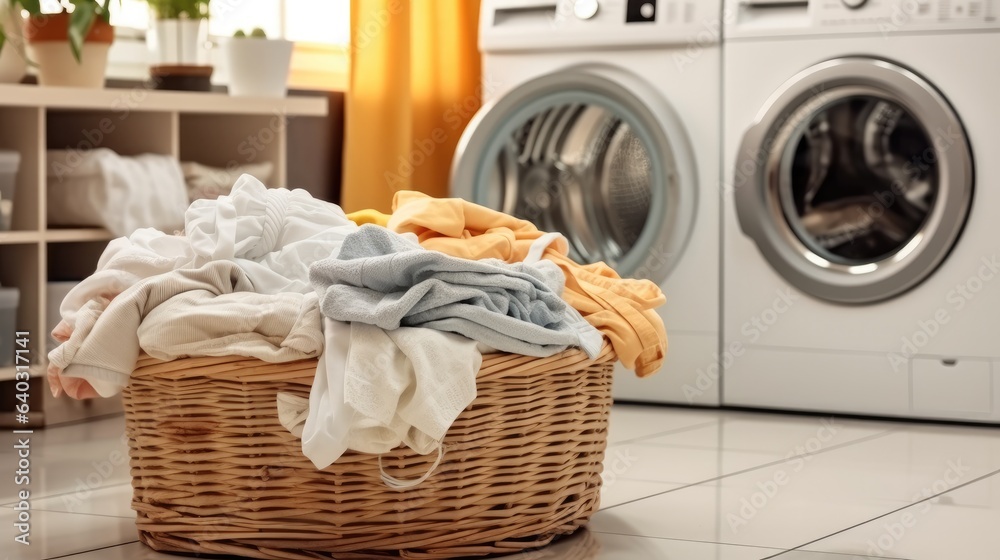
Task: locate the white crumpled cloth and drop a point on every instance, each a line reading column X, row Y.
column 376, row 389
column 273, row 234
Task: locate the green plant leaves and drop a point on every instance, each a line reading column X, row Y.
column 33, row 7
column 80, row 22
column 178, row 9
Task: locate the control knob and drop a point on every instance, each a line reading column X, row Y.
column 585, row 9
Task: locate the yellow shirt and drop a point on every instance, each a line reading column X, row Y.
column 622, row 309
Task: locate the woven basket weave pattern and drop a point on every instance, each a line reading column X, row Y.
column 215, row 472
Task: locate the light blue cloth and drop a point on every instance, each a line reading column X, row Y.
column 385, row 279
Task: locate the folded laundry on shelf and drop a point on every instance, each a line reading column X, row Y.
column 157, row 312
column 388, row 280
column 101, row 188
column 376, row 389
column 622, row 309
column 204, row 181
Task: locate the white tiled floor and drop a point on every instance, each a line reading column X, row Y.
column 679, row 484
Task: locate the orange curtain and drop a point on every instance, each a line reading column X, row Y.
column 414, row 85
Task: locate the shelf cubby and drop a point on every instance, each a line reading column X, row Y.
column 227, row 141
column 21, row 131
column 128, row 134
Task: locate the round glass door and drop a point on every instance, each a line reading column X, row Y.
column 863, row 184
column 579, row 153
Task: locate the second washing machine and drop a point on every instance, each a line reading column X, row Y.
column 860, row 231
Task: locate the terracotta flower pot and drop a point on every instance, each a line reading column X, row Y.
column 48, row 46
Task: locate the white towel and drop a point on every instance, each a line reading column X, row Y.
column 376, row 389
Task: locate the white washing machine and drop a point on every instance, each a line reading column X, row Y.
column 601, row 121
column 860, row 228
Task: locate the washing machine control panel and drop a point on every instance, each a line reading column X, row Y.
column 894, row 15
column 517, row 25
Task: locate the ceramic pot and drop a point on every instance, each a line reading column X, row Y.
column 258, row 67
column 177, row 41
column 48, row 46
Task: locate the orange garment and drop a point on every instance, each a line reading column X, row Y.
column 622, row 309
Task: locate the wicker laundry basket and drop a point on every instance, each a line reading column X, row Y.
column 214, row 472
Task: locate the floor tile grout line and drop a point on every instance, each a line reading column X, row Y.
column 765, row 465
column 61, row 494
column 716, row 448
column 651, row 481
column 665, row 433
column 897, row 510
column 709, row 448
column 72, row 554
column 781, row 550
column 83, row 513
column 850, row 555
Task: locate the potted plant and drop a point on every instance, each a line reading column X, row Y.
column 69, row 47
column 12, row 63
column 180, row 30
column 258, row 66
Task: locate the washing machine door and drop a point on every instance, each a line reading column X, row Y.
column 855, row 180
column 593, row 152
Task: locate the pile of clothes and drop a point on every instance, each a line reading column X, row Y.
column 398, row 309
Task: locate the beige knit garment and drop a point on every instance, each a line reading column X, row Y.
column 208, row 311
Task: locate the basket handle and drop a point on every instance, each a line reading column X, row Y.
column 400, row 484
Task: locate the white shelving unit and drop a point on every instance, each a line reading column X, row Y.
column 211, row 128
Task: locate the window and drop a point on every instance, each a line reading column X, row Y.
column 311, row 21
column 320, row 28
column 318, row 21
column 131, row 13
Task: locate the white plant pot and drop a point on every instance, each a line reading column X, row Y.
column 12, row 63
column 57, row 67
column 177, row 40
column 258, row 67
